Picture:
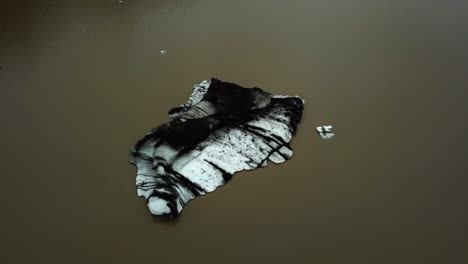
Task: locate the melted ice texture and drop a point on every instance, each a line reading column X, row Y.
column 263, row 139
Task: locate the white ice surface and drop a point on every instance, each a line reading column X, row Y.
column 158, row 206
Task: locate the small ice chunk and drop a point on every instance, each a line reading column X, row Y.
column 158, row 206
column 325, row 131
column 163, row 52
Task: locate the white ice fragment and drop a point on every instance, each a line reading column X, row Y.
column 198, row 92
column 325, row 131
column 163, row 52
column 158, row 206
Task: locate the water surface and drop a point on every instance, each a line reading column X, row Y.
column 81, row 81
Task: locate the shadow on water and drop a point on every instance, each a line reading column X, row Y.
column 165, row 220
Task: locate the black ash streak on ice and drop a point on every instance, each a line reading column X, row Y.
column 222, row 129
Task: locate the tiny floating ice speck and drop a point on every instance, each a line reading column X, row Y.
column 163, row 52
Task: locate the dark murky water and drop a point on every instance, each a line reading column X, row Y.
column 81, row 81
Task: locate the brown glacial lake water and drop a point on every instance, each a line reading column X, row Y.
column 81, row 81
